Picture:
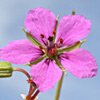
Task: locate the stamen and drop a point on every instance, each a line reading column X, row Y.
column 41, row 35
column 56, row 46
column 73, row 12
column 40, row 47
column 61, row 40
column 54, row 32
column 43, row 38
column 53, row 51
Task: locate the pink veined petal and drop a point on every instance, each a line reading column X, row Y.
column 40, row 21
column 20, row 52
column 80, row 63
column 73, row 28
column 45, row 74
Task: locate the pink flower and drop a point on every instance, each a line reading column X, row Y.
column 55, row 49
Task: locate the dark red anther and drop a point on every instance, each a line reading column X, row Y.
column 61, row 40
column 41, row 35
column 73, row 12
column 40, row 47
column 54, row 32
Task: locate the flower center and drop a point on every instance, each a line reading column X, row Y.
column 51, row 47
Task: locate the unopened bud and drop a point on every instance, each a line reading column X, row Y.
column 5, row 69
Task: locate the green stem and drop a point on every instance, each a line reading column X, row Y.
column 59, row 88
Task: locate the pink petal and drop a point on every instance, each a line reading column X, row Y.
column 45, row 74
column 80, row 63
column 19, row 52
column 39, row 21
column 72, row 29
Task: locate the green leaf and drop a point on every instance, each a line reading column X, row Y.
column 31, row 38
column 70, row 48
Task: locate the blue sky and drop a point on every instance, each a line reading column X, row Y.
column 12, row 15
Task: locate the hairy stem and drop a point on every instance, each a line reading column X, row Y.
column 34, row 96
column 59, row 88
column 23, row 71
column 30, row 93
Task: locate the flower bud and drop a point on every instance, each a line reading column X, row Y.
column 5, row 69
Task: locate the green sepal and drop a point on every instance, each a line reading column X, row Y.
column 56, row 27
column 36, row 61
column 31, row 38
column 5, row 69
column 60, row 66
column 70, row 48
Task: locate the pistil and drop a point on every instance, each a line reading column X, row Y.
column 50, row 42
